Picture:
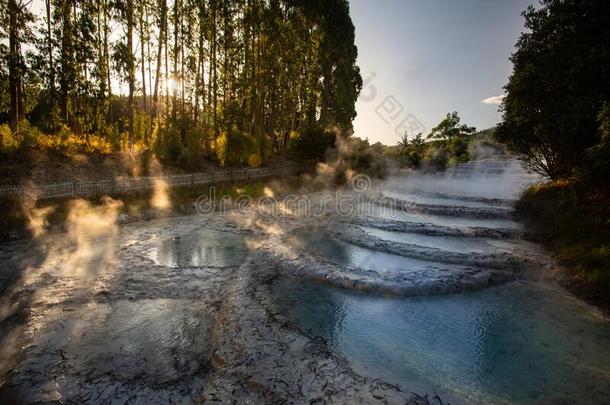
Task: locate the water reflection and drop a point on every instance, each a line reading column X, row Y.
column 202, row 248
column 513, row 344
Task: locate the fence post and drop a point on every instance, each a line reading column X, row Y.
column 192, row 180
column 73, row 188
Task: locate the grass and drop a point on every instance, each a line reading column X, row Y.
column 573, row 221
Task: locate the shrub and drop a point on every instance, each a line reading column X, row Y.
column 8, row 143
column 234, row 147
column 436, row 158
column 310, row 144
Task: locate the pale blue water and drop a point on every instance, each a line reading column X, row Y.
column 346, row 254
column 451, row 202
column 379, row 211
column 519, row 343
column 449, row 243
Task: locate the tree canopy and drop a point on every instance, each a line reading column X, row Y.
column 559, row 84
column 450, row 127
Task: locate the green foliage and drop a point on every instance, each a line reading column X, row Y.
column 558, row 86
column 571, row 219
column 168, row 145
column 458, row 149
column 361, row 157
column 8, row 141
column 450, row 128
column 28, row 137
column 411, row 151
column 310, row 144
column 235, row 147
column 354, row 155
column 436, row 157
column 448, row 144
column 598, row 156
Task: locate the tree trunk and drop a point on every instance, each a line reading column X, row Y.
column 176, row 53
column 50, row 45
column 13, row 64
column 162, row 28
column 131, row 71
column 67, row 61
column 143, row 59
column 181, row 58
column 199, row 71
column 107, row 61
column 215, row 76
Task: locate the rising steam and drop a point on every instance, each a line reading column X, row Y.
column 160, row 199
column 37, row 218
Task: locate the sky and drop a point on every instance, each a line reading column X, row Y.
column 421, row 59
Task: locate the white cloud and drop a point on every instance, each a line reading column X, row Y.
column 494, row 99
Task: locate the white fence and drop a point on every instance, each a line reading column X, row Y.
column 126, row 184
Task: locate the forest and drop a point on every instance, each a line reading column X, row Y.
column 232, row 82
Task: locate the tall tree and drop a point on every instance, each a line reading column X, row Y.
column 13, row 64
column 50, row 53
column 143, row 41
column 131, row 70
column 160, row 42
column 559, row 84
column 68, row 69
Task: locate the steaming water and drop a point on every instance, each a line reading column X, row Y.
column 424, row 199
column 349, row 255
column 518, row 343
column 142, row 329
column 202, row 248
column 374, row 210
column 449, row 243
column 513, row 344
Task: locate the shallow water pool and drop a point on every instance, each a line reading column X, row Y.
column 349, row 255
column 448, row 243
column 514, row 344
column 444, row 201
column 202, row 248
column 379, row 211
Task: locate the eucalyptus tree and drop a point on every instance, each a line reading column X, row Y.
column 261, row 71
column 16, row 26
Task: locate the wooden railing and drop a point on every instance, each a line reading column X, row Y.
column 126, row 184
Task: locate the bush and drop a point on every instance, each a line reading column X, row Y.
column 235, row 147
column 310, row 144
column 458, row 149
column 570, row 219
column 436, row 158
column 8, row 143
column 168, row 145
column 598, row 156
